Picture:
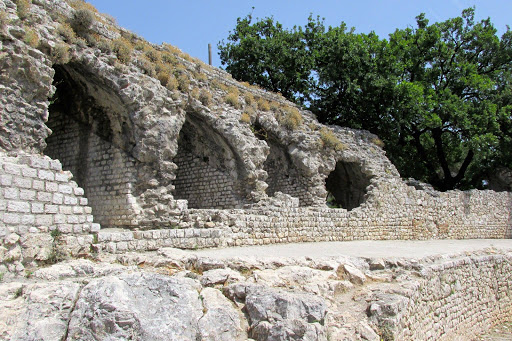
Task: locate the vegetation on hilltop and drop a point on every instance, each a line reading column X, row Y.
column 438, row 95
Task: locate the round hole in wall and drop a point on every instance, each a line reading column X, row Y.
column 346, row 185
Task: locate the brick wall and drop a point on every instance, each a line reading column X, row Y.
column 106, row 173
column 453, row 300
column 39, row 202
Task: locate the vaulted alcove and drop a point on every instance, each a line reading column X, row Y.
column 209, row 173
column 90, row 137
column 346, row 185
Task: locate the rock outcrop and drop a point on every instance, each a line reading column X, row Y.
column 164, row 297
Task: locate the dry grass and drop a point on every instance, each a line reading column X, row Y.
column 330, row 140
column 205, row 97
column 82, row 22
column 246, row 118
column 66, row 32
column 80, row 4
column 232, row 98
column 378, row 142
column 23, row 8
column 123, row 49
column 3, row 20
column 291, row 118
column 183, row 82
column 249, row 99
column 200, row 76
column 169, row 58
column 194, row 93
column 153, row 55
column 172, row 83
column 31, row 38
column 263, row 104
column 60, row 54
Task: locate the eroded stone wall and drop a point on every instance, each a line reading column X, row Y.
column 39, row 203
column 455, row 300
column 416, row 216
column 105, row 172
column 206, row 174
column 283, row 175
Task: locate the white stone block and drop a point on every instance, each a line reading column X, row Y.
column 51, row 209
column 39, row 162
column 55, row 165
column 29, row 172
column 27, row 194
column 52, row 186
column 70, row 200
column 12, row 169
column 44, row 174
column 44, row 220
column 58, row 198
column 65, row 189
column 79, row 191
column 28, row 219
column 37, row 207
column 38, row 185
column 18, row 206
column 6, row 180
column 44, row 196
column 11, row 193
column 62, row 177
column 12, row 218
column 22, row 182
column 60, row 219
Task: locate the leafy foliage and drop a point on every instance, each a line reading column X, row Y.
column 438, row 95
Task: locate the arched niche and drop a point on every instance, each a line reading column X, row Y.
column 346, row 185
column 283, row 175
column 209, row 173
column 91, row 138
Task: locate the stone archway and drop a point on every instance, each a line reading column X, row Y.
column 90, row 136
column 209, row 173
column 346, row 185
column 283, row 175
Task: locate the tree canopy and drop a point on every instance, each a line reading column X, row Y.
column 439, row 95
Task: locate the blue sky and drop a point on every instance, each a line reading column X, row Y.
column 191, row 25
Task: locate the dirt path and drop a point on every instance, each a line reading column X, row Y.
column 371, row 249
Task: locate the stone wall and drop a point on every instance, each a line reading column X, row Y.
column 414, row 216
column 454, row 300
column 206, row 174
column 105, row 172
column 38, row 203
column 136, row 147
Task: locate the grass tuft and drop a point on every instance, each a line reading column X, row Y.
column 205, row 97
column 330, row 140
column 263, row 104
column 60, row 54
column 31, row 38
column 23, row 8
column 123, row 49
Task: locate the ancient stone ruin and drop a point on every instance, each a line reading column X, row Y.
column 110, row 145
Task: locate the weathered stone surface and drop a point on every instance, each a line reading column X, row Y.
column 137, row 306
column 221, row 321
column 277, row 315
column 353, row 274
column 36, row 311
column 220, row 276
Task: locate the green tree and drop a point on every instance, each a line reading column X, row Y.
column 266, row 54
column 450, row 81
column 438, row 94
